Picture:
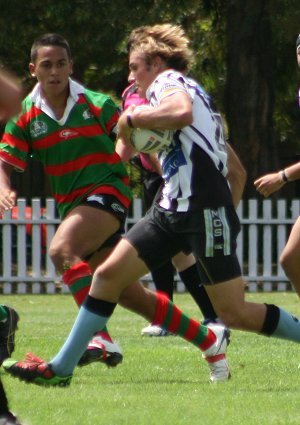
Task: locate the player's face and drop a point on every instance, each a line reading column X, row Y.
column 298, row 55
column 141, row 73
column 52, row 69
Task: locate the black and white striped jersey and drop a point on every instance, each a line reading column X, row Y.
column 194, row 166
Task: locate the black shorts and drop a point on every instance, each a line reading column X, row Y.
column 210, row 234
column 108, row 203
column 111, row 204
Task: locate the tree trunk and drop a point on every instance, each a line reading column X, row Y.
column 249, row 99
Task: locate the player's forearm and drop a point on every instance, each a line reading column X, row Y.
column 124, row 150
column 292, row 172
column 5, row 174
column 237, row 186
column 237, row 176
column 7, row 195
column 173, row 113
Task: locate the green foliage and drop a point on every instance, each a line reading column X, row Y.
column 97, row 32
column 285, row 30
column 161, row 380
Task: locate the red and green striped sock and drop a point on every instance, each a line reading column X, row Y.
column 171, row 318
column 79, row 278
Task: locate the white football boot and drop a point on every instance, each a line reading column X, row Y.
column 215, row 355
column 154, row 330
column 101, row 350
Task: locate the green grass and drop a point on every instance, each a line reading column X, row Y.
column 162, row 381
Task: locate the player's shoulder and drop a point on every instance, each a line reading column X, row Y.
column 166, row 83
column 170, row 74
column 169, row 78
column 97, row 98
column 22, row 118
column 27, row 103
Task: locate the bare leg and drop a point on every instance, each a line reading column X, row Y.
column 117, row 273
column 290, row 257
column 229, row 302
column 82, row 232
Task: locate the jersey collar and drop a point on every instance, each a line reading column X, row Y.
column 75, row 90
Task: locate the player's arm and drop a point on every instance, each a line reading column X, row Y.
column 124, row 149
column 236, row 176
column 270, row 183
column 10, row 105
column 174, row 112
column 126, row 152
column 10, row 97
column 7, row 195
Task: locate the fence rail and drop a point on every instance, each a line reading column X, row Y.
column 26, row 233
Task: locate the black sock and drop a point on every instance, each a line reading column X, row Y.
column 163, row 279
column 190, row 277
column 100, row 307
column 271, row 319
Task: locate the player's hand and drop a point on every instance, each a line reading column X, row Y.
column 268, row 184
column 124, row 131
column 7, row 200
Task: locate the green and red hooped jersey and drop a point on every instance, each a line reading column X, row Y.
column 79, row 157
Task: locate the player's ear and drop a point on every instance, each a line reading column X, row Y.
column 32, row 69
column 71, row 67
column 157, row 62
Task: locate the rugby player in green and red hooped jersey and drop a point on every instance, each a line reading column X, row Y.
column 68, row 128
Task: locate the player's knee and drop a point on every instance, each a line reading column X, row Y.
column 105, row 274
column 60, row 257
column 288, row 263
column 55, row 252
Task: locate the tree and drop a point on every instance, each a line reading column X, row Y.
column 249, row 99
column 259, row 96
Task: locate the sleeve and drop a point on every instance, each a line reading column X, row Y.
column 14, row 147
column 109, row 118
column 105, row 111
column 167, row 85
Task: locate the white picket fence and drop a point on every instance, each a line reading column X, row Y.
column 26, row 234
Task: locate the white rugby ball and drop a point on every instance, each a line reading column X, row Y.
column 150, row 141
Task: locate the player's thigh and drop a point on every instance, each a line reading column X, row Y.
column 98, row 257
column 292, row 248
column 84, row 230
column 155, row 244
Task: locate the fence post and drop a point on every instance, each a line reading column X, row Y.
column 252, row 248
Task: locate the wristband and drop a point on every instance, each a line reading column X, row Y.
column 129, row 121
column 284, row 177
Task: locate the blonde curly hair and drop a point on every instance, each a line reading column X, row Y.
column 166, row 41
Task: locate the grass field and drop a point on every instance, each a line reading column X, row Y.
column 162, row 381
